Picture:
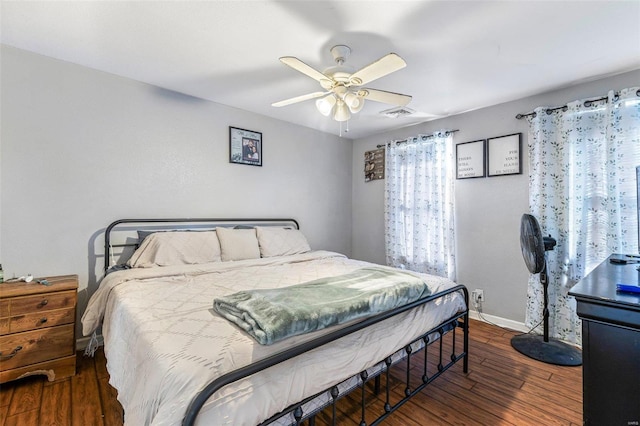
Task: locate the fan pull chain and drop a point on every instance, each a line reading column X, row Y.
column 345, row 130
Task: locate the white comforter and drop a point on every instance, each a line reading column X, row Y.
column 164, row 342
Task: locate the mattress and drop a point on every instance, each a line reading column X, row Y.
column 164, row 342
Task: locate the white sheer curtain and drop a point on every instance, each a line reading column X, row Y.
column 582, row 190
column 419, row 214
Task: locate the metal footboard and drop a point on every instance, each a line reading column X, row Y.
column 460, row 320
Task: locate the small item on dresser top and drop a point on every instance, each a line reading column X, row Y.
column 1, row 274
column 25, row 278
column 628, row 288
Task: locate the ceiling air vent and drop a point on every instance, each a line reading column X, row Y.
column 397, row 112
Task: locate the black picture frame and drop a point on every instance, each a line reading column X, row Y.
column 374, row 164
column 470, row 159
column 245, row 146
column 504, row 155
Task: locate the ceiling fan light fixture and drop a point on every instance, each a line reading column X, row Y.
column 325, row 105
column 354, row 102
column 357, row 108
column 341, row 111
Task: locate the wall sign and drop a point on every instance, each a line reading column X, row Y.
column 504, row 155
column 470, row 161
column 374, row 165
column 245, row 147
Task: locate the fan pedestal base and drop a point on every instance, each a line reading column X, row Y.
column 552, row 352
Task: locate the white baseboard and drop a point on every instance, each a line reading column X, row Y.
column 502, row 322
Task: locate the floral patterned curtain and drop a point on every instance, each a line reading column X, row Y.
column 582, row 190
column 419, row 214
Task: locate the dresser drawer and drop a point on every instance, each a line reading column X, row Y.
column 30, row 347
column 4, row 325
column 42, row 302
column 4, row 307
column 39, row 320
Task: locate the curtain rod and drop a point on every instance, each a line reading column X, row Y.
column 446, row 133
column 587, row 104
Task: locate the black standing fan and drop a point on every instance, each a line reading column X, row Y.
column 534, row 247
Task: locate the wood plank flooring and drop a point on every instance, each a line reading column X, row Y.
column 502, row 387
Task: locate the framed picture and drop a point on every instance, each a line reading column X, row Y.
column 245, row 146
column 470, row 161
column 504, row 155
column 374, row 165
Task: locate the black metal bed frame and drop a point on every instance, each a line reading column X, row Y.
column 107, row 233
column 460, row 320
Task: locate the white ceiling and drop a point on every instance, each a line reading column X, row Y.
column 461, row 55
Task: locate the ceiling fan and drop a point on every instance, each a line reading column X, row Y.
column 343, row 87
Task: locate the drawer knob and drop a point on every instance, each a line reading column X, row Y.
column 43, row 303
column 11, row 355
column 43, row 320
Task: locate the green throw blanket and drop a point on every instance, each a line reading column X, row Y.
column 275, row 314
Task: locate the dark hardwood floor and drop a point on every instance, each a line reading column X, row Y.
column 502, row 387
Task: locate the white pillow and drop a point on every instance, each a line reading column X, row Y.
column 176, row 248
column 238, row 244
column 281, row 241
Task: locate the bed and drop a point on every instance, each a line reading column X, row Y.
column 174, row 359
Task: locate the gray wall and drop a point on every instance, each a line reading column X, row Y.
column 488, row 210
column 81, row 148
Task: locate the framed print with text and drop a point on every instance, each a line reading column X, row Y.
column 470, row 161
column 504, row 155
column 245, row 146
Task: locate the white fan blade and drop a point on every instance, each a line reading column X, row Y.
column 384, row 97
column 380, row 68
column 299, row 99
column 300, row 66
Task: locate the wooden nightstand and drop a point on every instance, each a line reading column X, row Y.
column 37, row 328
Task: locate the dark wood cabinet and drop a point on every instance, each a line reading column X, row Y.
column 610, row 344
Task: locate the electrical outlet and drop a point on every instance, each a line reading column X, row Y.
column 477, row 296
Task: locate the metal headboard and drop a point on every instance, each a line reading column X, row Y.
column 212, row 221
